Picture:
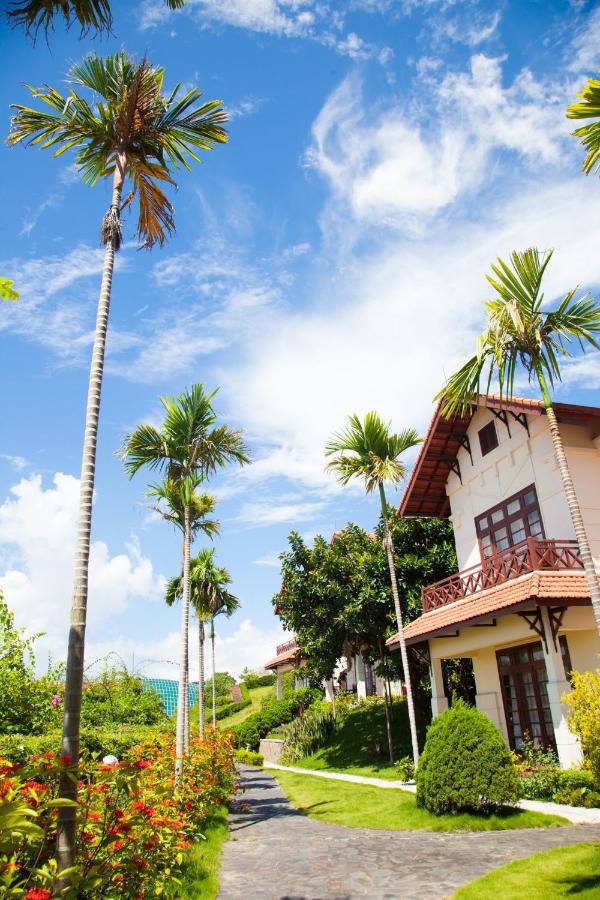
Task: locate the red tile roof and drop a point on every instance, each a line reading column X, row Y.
column 557, row 586
column 283, row 657
column 425, row 493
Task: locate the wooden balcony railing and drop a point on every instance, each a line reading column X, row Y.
column 528, row 556
column 289, row 645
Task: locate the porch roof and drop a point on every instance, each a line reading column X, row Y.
column 565, row 587
column 288, row 656
column 425, row 494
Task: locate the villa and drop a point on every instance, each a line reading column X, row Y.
column 519, row 606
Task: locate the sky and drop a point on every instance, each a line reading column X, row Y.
column 329, row 259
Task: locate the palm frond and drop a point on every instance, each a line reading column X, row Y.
column 588, row 108
column 90, row 15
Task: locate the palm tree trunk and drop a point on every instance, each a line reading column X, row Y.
column 214, row 686
column 389, row 549
column 201, row 710
column 574, row 508
column 388, row 720
column 67, row 818
column 184, row 658
column 186, row 713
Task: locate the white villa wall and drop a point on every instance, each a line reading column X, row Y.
column 518, row 461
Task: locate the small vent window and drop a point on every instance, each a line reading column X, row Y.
column 488, row 439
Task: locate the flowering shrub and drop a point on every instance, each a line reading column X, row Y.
column 134, row 824
column 584, row 717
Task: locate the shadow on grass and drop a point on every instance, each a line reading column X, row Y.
column 579, row 884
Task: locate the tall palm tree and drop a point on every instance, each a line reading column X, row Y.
column 90, row 15
column 370, row 451
column 521, row 333
column 170, row 506
column 589, row 108
column 188, row 444
column 132, row 133
column 222, row 604
column 208, row 597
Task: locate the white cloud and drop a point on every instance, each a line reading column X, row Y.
column 247, row 106
column 37, row 548
column 17, row 462
column 249, row 645
column 270, row 560
column 279, row 510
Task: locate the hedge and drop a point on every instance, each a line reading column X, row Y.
column 224, row 712
column 273, row 713
column 97, row 741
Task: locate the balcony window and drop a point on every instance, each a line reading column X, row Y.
column 509, row 523
column 488, row 438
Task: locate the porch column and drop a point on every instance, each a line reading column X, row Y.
column 361, row 683
column 439, row 701
column 567, row 744
column 329, row 689
column 278, row 683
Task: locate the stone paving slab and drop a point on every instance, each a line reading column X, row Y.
column 579, row 815
column 277, row 853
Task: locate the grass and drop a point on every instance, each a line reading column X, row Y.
column 201, row 875
column 256, row 696
column 565, row 872
column 363, row 806
column 352, row 748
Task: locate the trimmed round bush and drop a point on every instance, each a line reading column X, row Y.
column 465, row 766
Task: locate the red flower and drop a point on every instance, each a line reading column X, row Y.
column 138, row 806
column 149, row 811
column 142, row 764
column 37, row 894
column 66, row 759
column 118, row 845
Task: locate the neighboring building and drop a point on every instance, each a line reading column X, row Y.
column 519, row 605
column 352, row 675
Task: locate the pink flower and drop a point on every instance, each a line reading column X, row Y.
column 56, row 701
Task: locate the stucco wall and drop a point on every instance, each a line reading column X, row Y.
column 518, row 461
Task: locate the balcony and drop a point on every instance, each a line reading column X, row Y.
column 285, row 648
column 529, row 556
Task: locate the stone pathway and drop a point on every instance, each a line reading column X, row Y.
column 276, row 853
column 579, row 815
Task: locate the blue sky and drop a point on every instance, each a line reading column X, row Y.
column 329, row 259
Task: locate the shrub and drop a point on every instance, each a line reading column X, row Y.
column 258, row 679
column 584, row 716
column 465, row 766
column 134, row 829
column 270, row 715
column 94, row 742
column 405, row 768
column 224, row 711
column 249, row 757
column 307, row 733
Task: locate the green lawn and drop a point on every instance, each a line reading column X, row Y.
column 565, row 872
column 363, row 806
column 256, row 696
column 201, row 876
column 352, row 748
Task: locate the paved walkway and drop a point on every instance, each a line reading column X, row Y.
column 579, row 815
column 276, row 853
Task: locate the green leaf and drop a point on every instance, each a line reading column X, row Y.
column 6, row 290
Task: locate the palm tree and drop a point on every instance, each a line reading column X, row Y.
column 370, row 451
column 222, row 603
column 171, row 507
column 521, row 333
column 90, row 15
column 208, row 597
column 589, row 108
column 134, row 133
column 189, row 444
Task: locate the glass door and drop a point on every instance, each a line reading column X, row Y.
column 524, row 680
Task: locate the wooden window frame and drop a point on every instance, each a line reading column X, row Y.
column 486, row 446
column 508, row 518
column 514, row 669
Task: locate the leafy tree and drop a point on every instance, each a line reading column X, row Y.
column 29, row 705
column 130, row 132
column 90, row 15
column 523, row 333
column 188, row 447
column 223, row 682
column 369, row 451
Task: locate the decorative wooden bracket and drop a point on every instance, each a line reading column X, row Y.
column 521, row 418
column 535, row 622
column 422, row 653
column 556, row 615
column 491, row 624
column 454, row 466
column 501, row 414
column 465, row 443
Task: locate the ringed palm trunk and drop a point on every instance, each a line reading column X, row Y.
column 67, row 817
column 184, row 658
column 574, row 508
column 389, row 549
column 201, row 709
column 214, row 686
column 386, row 703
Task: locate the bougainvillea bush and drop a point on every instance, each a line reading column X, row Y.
column 134, row 825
